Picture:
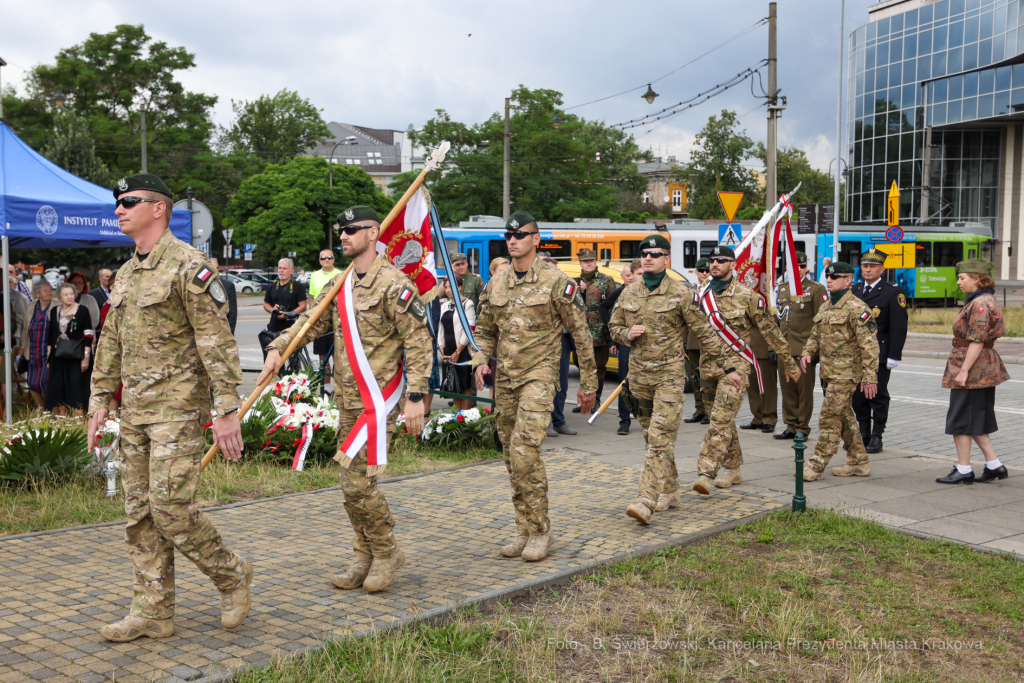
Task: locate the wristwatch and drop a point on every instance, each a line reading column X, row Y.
column 415, row 397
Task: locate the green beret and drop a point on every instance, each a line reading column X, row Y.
column 356, row 214
column 658, row 241
column 586, row 255
column 702, row 263
column 722, row 250
column 974, row 265
column 142, row 181
column 876, row 256
column 839, row 268
column 801, row 258
column 518, row 221
column 458, row 257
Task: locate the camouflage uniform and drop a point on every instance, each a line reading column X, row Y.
column 167, row 339
column 391, row 330
column 742, row 309
column 595, row 290
column 980, row 320
column 844, row 336
column 796, row 317
column 693, row 356
column 656, row 370
column 520, row 323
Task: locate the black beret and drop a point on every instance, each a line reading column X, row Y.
column 141, row 181
column 356, row 214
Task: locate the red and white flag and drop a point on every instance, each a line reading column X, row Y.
column 407, row 242
column 758, row 254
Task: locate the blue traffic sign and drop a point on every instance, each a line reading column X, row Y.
column 894, row 234
column 730, row 234
column 248, row 248
column 238, row 253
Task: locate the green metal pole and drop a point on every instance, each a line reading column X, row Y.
column 799, row 500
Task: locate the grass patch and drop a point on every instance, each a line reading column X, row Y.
column 1014, row 316
column 816, row 597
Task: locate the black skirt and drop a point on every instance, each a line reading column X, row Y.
column 68, row 385
column 971, row 412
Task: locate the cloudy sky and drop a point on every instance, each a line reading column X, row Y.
column 386, row 65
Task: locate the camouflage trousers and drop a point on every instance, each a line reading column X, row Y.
column 659, row 474
column 693, row 356
column 160, row 471
column 521, row 417
column 836, row 421
column 371, row 519
column 721, row 447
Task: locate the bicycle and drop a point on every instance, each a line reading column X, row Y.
column 299, row 361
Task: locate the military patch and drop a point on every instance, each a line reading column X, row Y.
column 902, row 298
column 824, row 297
column 578, row 300
column 872, row 326
column 217, row 291
column 570, row 289
column 865, row 316
column 203, row 275
column 405, row 295
column 760, row 304
column 417, row 309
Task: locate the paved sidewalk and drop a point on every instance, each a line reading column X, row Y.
column 57, row 588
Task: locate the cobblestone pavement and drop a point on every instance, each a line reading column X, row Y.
column 57, row 589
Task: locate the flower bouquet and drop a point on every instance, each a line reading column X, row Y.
column 464, row 427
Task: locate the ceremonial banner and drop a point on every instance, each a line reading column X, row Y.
column 758, row 253
column 407, row 242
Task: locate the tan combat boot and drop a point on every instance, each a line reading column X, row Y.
column 811, row 475
column 132, row 627
column 641, row 512
column 728, row 477
column 235, row 604
column 537, row 547
column 668, row 500
column 382, row 573
column 849, row 470
column 354, row 576
column 515, row 548
column 703, row 485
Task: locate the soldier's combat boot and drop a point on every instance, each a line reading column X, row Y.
column 811, row 475
column 849, row 470
column 235, row 604
column 727, row 477
column 354, row 576
column 641, row 512
column 667, row 500
column 703, row 485
column 132, row 627
column 537, row 547
column 515, row 548
column 382, row 573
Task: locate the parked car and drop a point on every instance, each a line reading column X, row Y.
column 243, row 286
column 256, row 279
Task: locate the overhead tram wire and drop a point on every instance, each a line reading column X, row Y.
column 701, row 56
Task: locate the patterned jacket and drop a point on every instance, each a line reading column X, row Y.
column 520, row 322
column 796, row 314
column 844, row 336
column 392, row 328
column 167, row 338
column 595, row 291
column 980, row 320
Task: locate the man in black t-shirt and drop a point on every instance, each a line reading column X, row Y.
column 285, row 295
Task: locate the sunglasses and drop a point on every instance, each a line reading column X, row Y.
column 519, row 234
column 720, row 259
column 652, row 254
column 354, row 229
column 837, row 276
column 131, row 202
column 703, row 270
column 327, row 258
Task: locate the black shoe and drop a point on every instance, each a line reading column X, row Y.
column 786, row 435
column 955, row 477
column 988, row 475
column 696, row 417
column 623, row 429
column 750, row 426
column 767, row 429
column 874, row 444
column 577, row 409
column 706, row 420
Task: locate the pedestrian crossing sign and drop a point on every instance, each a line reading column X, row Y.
column 730, row 234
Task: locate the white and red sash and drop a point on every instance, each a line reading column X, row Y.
column 371, row 429
column 734, row 341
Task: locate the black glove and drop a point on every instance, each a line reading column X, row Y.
column 773, row 357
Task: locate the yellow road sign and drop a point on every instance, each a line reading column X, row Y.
column 730, row 202
column 893, row 206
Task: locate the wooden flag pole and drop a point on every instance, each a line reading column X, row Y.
column 435, row 159
column 607, row 403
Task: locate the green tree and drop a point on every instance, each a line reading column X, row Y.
column 30, row 119
column 71, row 147
column 716, row 163
column 289, row 207
column 275, row 128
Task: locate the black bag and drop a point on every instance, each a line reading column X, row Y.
column 22, row 365
column 450, row 382
column 70, row 349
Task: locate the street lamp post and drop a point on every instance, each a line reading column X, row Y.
column 350, row 140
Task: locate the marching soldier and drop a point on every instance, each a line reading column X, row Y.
column 888, row 306
column 596, row 287
column 391, row 320
column 735, row 310
column 700, row 413
column 472, row 284
column 764, row 406
column 167, row 340
column 844, row 336
column 796, row 318
column 653, row 316
column 521, row 318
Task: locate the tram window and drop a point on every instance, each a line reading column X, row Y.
column 970, row 253
column 473, row 256
column 923, row 251
column 800, row 246
column 556, row 248
column 629, row 249
column 605, row 254
column 986, row 251
column 452, row 247
column 706, row 247
column 497, row 249
column 689, row 254
column 850, row 253
column 948, row 254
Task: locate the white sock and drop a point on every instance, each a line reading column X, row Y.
column 964, row 469
column 993, row 464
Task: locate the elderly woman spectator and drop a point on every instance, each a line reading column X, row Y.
column 68, row 385
column 81, row 284
column 35, row 341
column 454, row 342
column 973, row 371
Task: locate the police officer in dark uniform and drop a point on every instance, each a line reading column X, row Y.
column 888, row 305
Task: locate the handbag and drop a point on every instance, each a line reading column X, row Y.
column 450, row 382
column 69, row 349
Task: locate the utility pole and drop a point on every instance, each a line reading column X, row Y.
column 839, row 134
column 771, row 189
column 145, row 165
column 506, row 190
